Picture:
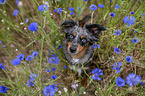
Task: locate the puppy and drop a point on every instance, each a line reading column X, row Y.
column 78, row 41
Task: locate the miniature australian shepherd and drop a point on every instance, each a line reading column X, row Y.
column 78, row 41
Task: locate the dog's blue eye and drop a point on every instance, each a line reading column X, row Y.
column 71, row 36
column 83, row 40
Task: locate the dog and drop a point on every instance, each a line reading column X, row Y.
column 78, row 41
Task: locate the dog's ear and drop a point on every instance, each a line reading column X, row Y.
column 95, row 30
column 68, row 24
column 84, row 20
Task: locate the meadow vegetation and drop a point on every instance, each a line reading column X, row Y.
column 32, row 62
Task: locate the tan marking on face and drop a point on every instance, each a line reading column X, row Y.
column 74, row 34
column 69, row 45
column 80, row 51
column 82, row 36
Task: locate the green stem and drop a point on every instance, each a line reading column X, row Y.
column 92, row 17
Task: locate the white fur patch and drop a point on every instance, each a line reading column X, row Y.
column 75, row 60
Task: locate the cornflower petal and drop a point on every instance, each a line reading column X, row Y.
column 117, row 6
column 135, row 40
column 120, row 82
column 3, row 89
column 30, row 82
column 2, row 66
column 21, row 57
column 54, row 77
column 129, row 59
column 2, row 1
column 96, row 72
column 50, row 90
column 112, row 14
column 42, row 7
column 71, row 9
column 16, row 62
column 16, row 12
column 93, row 7
column 132, row 79
column 33, row 27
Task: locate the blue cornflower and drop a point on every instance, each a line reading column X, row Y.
column 95, row 46
column 132, row 12
column 2, row 1
column 59, row 47
column 117, row 50
column 132, row 79
column 34, row 53
column 79, row 9
column 47, row 70
column 65, row 66
column 15, row 62
column 85, row 0
column 30, row 82
column 101, row 5
column 58, row 10
column 2, row 66
column 129, row 59
column 96, row 72
column 53, row 69
column 135, row 40
column 71, row 13
column 54, row 59
column 29, row 58
column 112, row 14
column 50, row 90
column 93, row 7
column 120, row 82
column 4, row 46
column 0, row 42
column 129, row 21
column 21, row 57
column 142, row 83
column 126, row 19
column 135, row 31
column 26, row 20
column 143, row 15
column 17, row 2
column 117, row 6
column 33, row 26
column 110, row 1
column 42, row 7
column 117, row 32
column 3, row 89
column 71, row 9
column 55, row 10
column 33, row 76
column 117, row 67
column 54, row 77
column 16, row 12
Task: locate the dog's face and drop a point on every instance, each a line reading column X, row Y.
column 79, row 39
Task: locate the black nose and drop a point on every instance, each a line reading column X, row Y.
column 73, row 49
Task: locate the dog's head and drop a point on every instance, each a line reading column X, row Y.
column 78, row 38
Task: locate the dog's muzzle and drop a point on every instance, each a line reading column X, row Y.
column 73, row 49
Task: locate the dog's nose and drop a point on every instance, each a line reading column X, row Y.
column 73, row 49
